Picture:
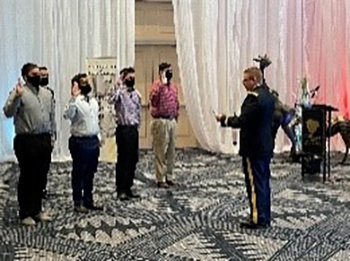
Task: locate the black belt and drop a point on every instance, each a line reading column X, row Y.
column 33, row 135
column 84, row 137
column 127, row 126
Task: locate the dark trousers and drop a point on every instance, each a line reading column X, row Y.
column 33, row 153
column 257, row 179
column 85, row 152
column 127, row 138
column 46, row 176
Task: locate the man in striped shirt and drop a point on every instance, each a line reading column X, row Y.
column 127, row 102
column 165, row 111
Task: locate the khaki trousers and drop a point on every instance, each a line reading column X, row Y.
column 163, row 132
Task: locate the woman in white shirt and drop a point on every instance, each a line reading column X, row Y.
column 82, row 111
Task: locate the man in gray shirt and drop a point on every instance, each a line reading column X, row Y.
column 32, row 109
column 44, row 83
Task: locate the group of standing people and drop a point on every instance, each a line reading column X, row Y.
column 32, row 104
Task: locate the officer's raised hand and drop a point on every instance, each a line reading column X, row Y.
column 220, row 117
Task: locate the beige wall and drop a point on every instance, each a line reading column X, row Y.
column 155, row 43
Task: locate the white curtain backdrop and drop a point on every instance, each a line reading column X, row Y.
column 217, row 40
column 60, row 34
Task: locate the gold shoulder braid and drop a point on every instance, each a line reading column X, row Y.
column 253, row 93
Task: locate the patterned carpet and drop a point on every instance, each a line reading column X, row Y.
column 198, row 221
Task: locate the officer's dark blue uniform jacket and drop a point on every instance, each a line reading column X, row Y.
column 255, row 122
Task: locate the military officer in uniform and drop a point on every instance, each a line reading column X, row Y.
column 256, row 145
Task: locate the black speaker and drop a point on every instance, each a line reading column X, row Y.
column 314, row 130
column 311, row 165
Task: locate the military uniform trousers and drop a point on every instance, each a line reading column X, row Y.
column 257, row 179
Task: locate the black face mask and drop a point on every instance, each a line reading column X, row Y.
column 169, row 75
column 44, row 81
column 85, row 89
column 35, row 80
column 130, row 82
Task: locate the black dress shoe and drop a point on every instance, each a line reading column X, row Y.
column 80, row 209
column 172, row 183
column 123, row 196
column 162, row 185
column 94, row 207
column 251, row 225
column 132, row 195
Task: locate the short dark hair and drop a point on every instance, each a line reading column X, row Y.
column 122, row 72
column 126, row 70
column 164, row 66
column 131, row 70
column 77, row 77
column 42, row 68
column 27, row 68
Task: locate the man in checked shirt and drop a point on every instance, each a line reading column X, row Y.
column 127, row 102
column 165, row 111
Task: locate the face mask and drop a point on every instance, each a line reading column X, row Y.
column 35, row 80
column 44, row 81
column 169, row 75
column 130, row 82
column 85, row 89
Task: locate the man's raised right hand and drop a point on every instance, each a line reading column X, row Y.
column 19, row 88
